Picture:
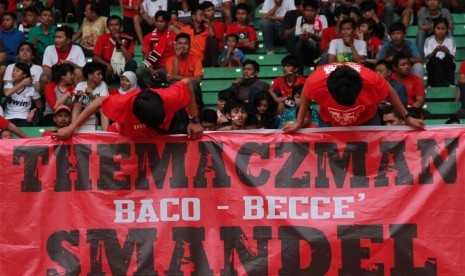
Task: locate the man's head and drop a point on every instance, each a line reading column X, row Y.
column 208, row 119
column 149, row 109
column 63, row 71
column 344, row 85
column 290, row 65
column 162, row 18
column 62, row 116
column 92, row 72
column 236, row 111
column 369, row 9
column 391, row 117
column 232, row 40
column 367, row 26
column 433, row 4
column 197, row 15
column 242, row 12
column 31, row 16
column 114, row 24
column 8, row 20
column 63, row 37
column 92, row 11
column 310, row 9
column 250, row 69
column 384, row 69
column 341, row 13
column 347, row 26
column 46, row 16
column 397, row 33
column 299, row 7
column 27, row 3
column 401, row 64
column 26, row 52
column 208, row 9
column 183, row 43
column 6, row 134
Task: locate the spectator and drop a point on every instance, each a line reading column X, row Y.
column 223, row 97
column 213, row 43
column 460, row 96
column 384, row 69
column 208, row 119
column 91, row 29
column 289, row 26
column 11, row 37
column 391, row 117
column 405, row 8
column 399, row 44
column 272, row 16
column 248, row 86
column 370, row 11
column 7, row 126
column 80, row 8
column 115, row 51
column 355, row 14
column 26, row 53
column 231, row 56
column 426, row 19
column 373, row 43
column 236, row 112
column 347, row 49
column 223, row 10
column 144, row 113
column 333, row 32
column 31, row 20
column 247, row 35
column 61, row 119
column 308, row 31
column 26, row 4
column 145, row 22
column 6, row 134
column 264, row 108
column 128, row 82
column 440, row 53
column 415, row 87
column 43, row 36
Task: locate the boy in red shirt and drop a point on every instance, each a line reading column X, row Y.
column 348, row 95
column 214, row 44
column 61, row 118
column 247, row 35
column 414, row 84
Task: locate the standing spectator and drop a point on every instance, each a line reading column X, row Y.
column 415, row 87
column 247, row 35
column 426, row 19
column 10, row 36
column 26, row 53
column 289, row 25
column 440, row 53
column 384, row 69
column 115, row 51
column 43, row 36
column 272, row 16
column 223, row 10
column 145, row 22
column 347, row 49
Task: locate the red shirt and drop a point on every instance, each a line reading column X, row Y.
column 162, row 45
column 119, row 109
column 462, row 68
column 4, row 123
column 105, row 45
column 415, row 87
column 403, row 3
column 129, row 13
column 374, row 90
column 373, row 46
column 51, row 96
column 219, row 28
column 327, row 35
column 280, row 84
column 243, row 32
column 198, row 40
column 189, row 67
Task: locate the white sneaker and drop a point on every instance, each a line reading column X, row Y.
column 270, row 52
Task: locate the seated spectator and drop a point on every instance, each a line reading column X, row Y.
column 426, row 18
column 63, row 51
column 11, row 37
column 6, row 134
column 42, row 36
column 91, row 29
column 308, row 31
column 26, row 53
column 373, row 43
column 213, row 44
column 58, row 92
column 289, row 114
column 115, row 51
column 440, row 53
column 231, row 56
column 145, row 21
column 415, row 87
column 158, row 47
column 370, row 11
column 248, row 86
column 405, row 8
column 384, row 69
column 208, row 119
column 21, row 95
column 25, row 5
column 7, row 128
column 264, row 108
column 391, row 117
column 347, row 49
column 128, row 82
column 223, row 97
column 332, row 32
column 87, row 91
column 272, row 16
column 236, row 112
column 61, row 119
column 223, row 10
column 144, row 113
column 289, row 26
column 248, row 40
column 31, row 20
column 399, row 44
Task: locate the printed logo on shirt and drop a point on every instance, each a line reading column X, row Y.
column 16, row 102
column 331, row 67
column 346, row 117
column 243, row 35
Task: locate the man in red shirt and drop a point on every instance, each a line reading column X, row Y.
column 115, row 43
column 6, row 125
column 144, row 113
column 414, row 84
column 248, row 40
column 348, row 95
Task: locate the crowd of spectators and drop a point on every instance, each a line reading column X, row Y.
column 45, row 74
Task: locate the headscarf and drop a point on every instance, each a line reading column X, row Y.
column 132, row 79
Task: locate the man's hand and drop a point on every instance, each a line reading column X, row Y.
column 415, row 123
column 291, row 127
column 63, row 133
column 35, row 41
column 170, row 78
column 194, row 130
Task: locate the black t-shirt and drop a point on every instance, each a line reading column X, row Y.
column 290, row 19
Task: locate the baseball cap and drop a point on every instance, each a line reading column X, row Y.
column 62, row 107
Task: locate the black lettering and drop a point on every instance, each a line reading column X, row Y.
column 212, row 151
column 72, row 167
column 58, row 253
column 284, row 177
column 108, row 166
column 393, row 150
column 31, row 154
column 447, row 169
column 243, row 161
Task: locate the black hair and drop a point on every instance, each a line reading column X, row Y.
column 206, row 5
column 265, row 95
column 114, row 17
column 4, row 3
column 95, row 7
column 90, row 68
column 251, row 121
column 32, row 9
column 225, row 95
column 60, row 70
column 384, row 62
column 232, row 35
column 255, row 64
column 243, row 6
column 31, row 46
column 233, row 103
column 149, row 109
column 298, row 3
column 341, row 10
column 291, row 60
column 390, row 110
column 368, row 6
column 397, row 26
column 349, row 21
column 453, row 120
column 415, row 112
column 24, row 68
column 195, row 9
column 440, row 20
column 12, row 14
column 344, row 85
column 397, row 57
column 183, row 35
column 370, row 23
column 356, row 11
column 297, row 90
column 208, row 115
column 311, row 3
column 164, row 15
column 46, row 9
column 67, row 30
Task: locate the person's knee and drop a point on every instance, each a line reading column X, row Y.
column 266, row 24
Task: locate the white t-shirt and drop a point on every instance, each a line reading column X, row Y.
column 101, row 90
column 218, row 4
column 301, row 27
column 344, row 53
column 75, row 55
column 151, row 7
column 431, row 44
column 287, row 5
column 36, row 71
column 19, row 104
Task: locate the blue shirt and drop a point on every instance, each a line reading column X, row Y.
column 11, row 40
column 401, row 91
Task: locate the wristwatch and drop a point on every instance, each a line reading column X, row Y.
column 194, row 118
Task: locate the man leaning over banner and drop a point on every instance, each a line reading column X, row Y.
column 348, row 95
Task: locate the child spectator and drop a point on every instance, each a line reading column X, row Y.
column 370, row 11
column 308, row 31
column 235, row 111
column 115, row 51
column 59, row 91
column 426, row 18
column 264, row 108
column 21, row 94
column 415, row 87
column 128, row 82
column 223, row 10
column 213, row 43
column 223, row 97
column 42, row 36
column 440, row 52
column 87, row 91
column 26, row 53
column 6, row 134
column 7, row 128
column 145, row 22
column 247, row 35
column 11, row 37
column 347, row 49
column 61, row 119
column 231, row 56
column 272, row 16
column 91, row 29
column 31, row 20
column 398, row 44
column 289, row 113
column 373, row 43
column 384, row 69
column 208, row 119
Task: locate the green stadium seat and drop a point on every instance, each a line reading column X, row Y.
column 412, row 31
column 263, row 59
column 440, row 93
column 221, row 73
column 460, row 55
column 442, row 109
column 35, row 131
column 459, row 18
column 459, row 30
column 435, row 121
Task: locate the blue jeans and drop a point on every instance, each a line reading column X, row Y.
column 272, row 32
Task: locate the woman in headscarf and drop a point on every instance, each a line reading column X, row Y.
column 128, row 82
